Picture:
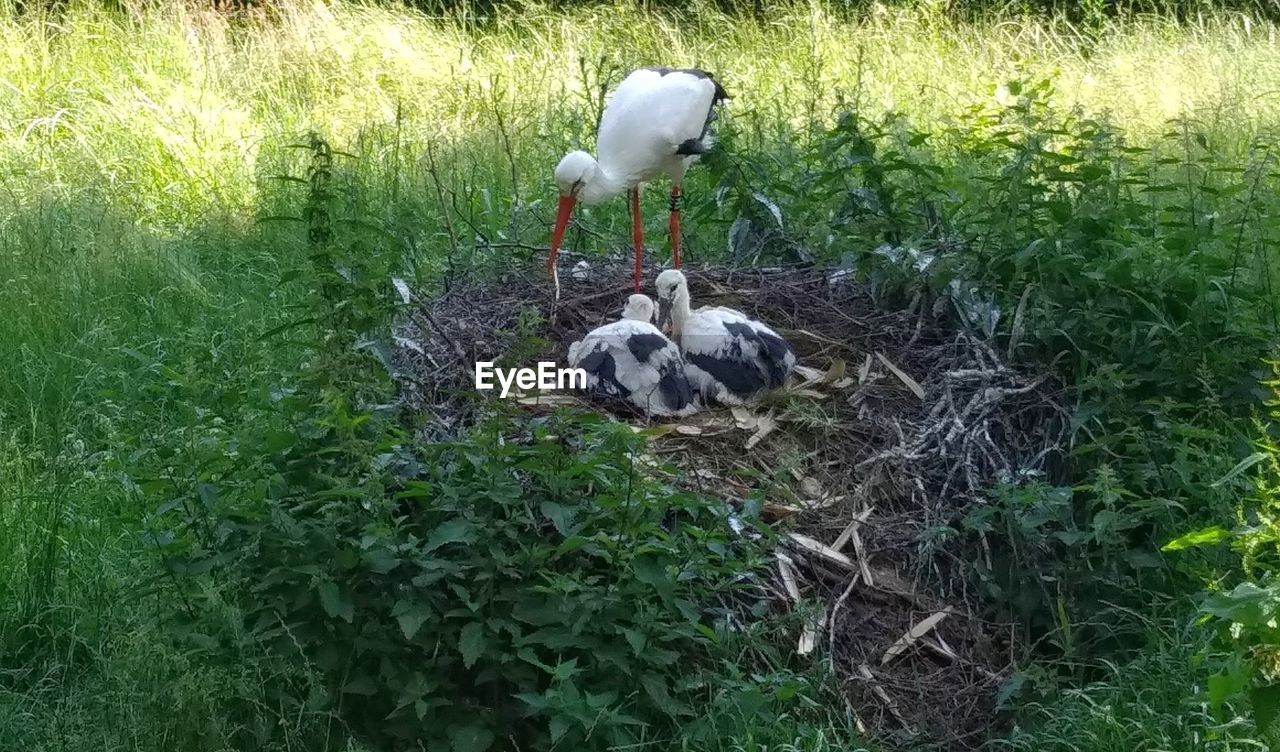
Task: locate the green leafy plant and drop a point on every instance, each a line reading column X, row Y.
column 525, row 585
column 1123, row 265
column 1247, row 614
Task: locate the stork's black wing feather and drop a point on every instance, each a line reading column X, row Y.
column 599, row 363
column 737, row 376
column 642, row 346
column 775, row 350
column 743, row 331
column 735, row 368
column 693, row 146
column 674, row 387
column 720, row 94
column 771, row 350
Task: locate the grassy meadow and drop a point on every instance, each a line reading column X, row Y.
column 1120, row 180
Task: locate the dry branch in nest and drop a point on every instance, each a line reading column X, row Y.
column 897, row 423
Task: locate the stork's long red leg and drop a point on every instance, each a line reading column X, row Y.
column 673, row 225
column 637, row 234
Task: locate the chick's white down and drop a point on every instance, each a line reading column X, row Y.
column 728, row 356
column 631, row 360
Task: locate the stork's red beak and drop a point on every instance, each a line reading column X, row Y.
column 562, row 222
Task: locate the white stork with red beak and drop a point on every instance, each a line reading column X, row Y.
column 657, row 122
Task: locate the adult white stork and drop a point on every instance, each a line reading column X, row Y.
column 657, row 122
column 631, row 360
column 727, row 356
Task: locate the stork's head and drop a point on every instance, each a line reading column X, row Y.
column 673, row 295
column 574, row 172
column 639, row 308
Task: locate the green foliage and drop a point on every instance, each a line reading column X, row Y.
column 158, row 695
column 1141, row 271
column 526, row 584
column 1247, row 615
column 163, row 356
column 511, row 586
column 1156, row 701
column 1036, row 538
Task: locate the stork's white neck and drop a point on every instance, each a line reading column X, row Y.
column 680, row 311
column 600, row 186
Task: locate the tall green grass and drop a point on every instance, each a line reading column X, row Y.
column 1149, row 703
column 139, row 153
column 166, row 113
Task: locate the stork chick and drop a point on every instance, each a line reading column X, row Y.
column 728, row 357
column 632, row 360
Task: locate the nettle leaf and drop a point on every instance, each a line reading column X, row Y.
column 411, row 616
column 380, row 560
column 565, row 670
column 656, row 688
column 208, row 495
column 571, row 544
column 334, row 603
column 1010, row 689
column 689, row 610
column 453, row 531
column 527, row 655
column 538, row 613
column 636, row 639
column 651, row 571
column 660, row 656
column 560, row 515
column 471, row 642
column 558, row 726
column 533, row 700
column 363, row 685
column 1143, row 559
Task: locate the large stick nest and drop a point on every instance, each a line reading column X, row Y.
column 907, row 422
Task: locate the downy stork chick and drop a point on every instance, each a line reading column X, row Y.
column 657, row 123
column 728, row 357
column 631, row 360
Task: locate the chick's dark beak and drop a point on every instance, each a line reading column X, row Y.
column 664, row 314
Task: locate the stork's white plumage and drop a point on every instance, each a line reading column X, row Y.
column 728, row 357
column 657, row 123
column 631, row 360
